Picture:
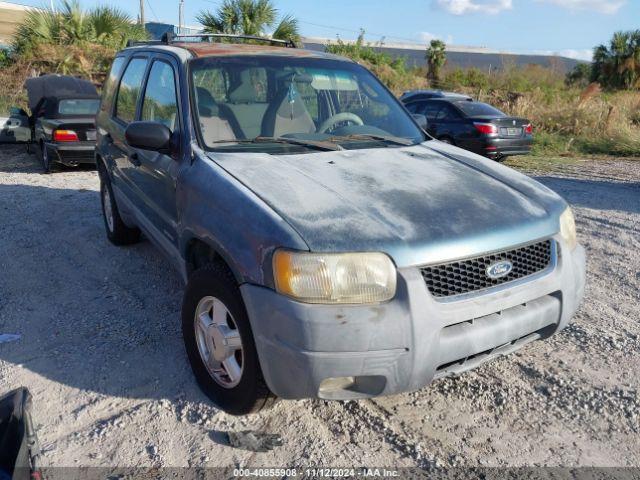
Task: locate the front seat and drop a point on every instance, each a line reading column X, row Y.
column 216, row 121
column 287, row 112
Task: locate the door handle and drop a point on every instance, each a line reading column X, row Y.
column 135, row 159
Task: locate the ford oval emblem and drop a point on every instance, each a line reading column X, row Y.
column 499, row 269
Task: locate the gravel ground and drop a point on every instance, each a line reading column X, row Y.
column 101, row 351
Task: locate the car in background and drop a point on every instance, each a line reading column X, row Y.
column 475, row 126
column 415, row 95
column 63, row 113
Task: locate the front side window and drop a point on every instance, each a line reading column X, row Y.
column 81, row 107
column 160, row 102
column 242, row 101
column 129, row 90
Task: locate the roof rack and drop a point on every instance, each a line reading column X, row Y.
column 169, row 38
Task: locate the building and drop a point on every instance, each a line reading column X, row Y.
column 459, row 56
column 11, row 15
column 157, row 30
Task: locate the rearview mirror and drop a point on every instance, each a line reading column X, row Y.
column 421, row 120
column 152, row 136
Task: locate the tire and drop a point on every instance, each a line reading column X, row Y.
column 45, row 160
column 117, row 232
column 245, row 391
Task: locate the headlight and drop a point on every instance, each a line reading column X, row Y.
column 335, row 277
column 568, row 228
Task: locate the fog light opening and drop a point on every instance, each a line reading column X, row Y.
column 345, row 388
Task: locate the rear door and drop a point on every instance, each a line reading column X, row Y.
column 156, row 173
column 128, row 94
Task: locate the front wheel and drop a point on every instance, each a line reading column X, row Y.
column 220, row 344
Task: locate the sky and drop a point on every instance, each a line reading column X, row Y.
column 567, row 27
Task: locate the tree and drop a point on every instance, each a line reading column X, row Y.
column 436, row 56
column 71, row 25
column 249, row 17
column 579, row 76
column 618, row 64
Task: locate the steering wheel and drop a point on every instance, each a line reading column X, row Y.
column 337, row 118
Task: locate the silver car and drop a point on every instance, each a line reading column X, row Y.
column 330, row 248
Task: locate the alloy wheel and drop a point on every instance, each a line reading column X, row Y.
column 219, row 342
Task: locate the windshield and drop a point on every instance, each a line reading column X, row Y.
column 478, row 109
column 287, row 104
column 82, row 107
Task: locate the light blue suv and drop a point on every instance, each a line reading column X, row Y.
column 330, row 248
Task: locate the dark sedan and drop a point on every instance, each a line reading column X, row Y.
column 63, row 119
column 475, row 126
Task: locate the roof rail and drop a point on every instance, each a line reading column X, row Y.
column 137, row 43
column 169, row 38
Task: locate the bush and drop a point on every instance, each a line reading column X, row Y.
column 393, row 72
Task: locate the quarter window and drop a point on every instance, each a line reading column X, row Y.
column 160, row 102
column 129, row 91
column 110, row 83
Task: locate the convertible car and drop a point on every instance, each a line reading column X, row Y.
column 63, row 111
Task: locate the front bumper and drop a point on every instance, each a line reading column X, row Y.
column 72, row 155
column 402, row 345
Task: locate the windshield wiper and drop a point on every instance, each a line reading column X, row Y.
column 328, row 146
column 368, row 136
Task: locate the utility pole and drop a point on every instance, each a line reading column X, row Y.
column 142, row 13
column 180, row 17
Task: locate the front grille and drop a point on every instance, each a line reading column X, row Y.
column 466, row 276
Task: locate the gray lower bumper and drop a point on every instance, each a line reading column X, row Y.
column 404, row 344
column 72, row 155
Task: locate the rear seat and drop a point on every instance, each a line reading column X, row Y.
column 245, row 107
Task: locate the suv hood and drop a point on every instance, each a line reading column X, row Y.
column 421, row 204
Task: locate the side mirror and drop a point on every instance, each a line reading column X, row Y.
column 421, row 120
column 152, row 136
column 17, row 111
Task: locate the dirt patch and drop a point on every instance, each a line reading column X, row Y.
column 101, row 351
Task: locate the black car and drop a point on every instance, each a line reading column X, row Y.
column 63, row 112
column 475, row 126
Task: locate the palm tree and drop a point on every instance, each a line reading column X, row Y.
column 71, row 25
column 618, row 65
column 249, row 17
column 436, row 56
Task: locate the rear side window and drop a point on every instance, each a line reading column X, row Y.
column 81, row 107
column 431, row 110
column 110, row 83
column 473, row 109
column 129, row 90
column 448, row 113
column 413, row 107
column 160, row 101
